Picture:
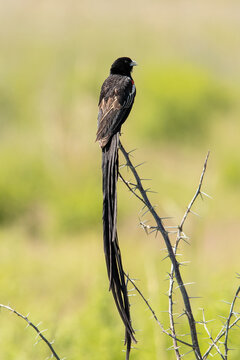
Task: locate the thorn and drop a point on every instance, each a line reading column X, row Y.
column 173, row 348
column 155, row 229
column 145, row 212
column 226, row 302
column 187, row 353
column 169, row 277
column 194, row 213
column 133, row 280
column 144, row 162
column 134, row 188
column 184, row 236
column 131, row 151
column 40, row 332
column 143, row 208
column 138, row 330
column 207, row 321
column 187, row 242
column 190, row 283
column 184, row 262
column 195, row 297
column 203, row 193
column 150, row 191
column 122, row 166
column 37, row 342
column 188, row 334
column 145, row 229
column 165, row 258
column 144, row 222
column 184, row 313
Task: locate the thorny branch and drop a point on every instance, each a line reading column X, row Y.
column 182, row 236
column 197, row 193
column 224, row 332
column 221, row 333
column 175, row 263
column 204, row 323
column 228, row 322
column 153, row 312
column 39, row 333
column 175, row 274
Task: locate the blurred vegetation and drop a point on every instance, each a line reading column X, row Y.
column 54, row 57
column 183, row 101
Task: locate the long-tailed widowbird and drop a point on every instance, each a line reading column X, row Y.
column 115, row 103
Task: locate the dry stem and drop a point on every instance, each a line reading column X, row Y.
column 39, row 333
column 172, row 256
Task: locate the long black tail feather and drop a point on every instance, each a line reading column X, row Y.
column 111, row 247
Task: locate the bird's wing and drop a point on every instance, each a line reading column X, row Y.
column 116, row 99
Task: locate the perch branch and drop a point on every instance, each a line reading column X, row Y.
column 172, row 256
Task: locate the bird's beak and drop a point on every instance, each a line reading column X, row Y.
column 133, row 63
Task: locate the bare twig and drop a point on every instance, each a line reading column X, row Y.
column 172, row 256
column 153, row 312
column 197, row 193
column 180, row 235
column 39, row 333
column 225, row 329
column 221, row 333
column 170, row 309
column 204, row 322
column 228, row 323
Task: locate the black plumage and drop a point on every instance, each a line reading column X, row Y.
column 116, row 99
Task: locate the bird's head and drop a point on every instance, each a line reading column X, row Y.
column 123, row 66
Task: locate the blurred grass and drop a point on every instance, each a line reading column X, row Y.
column 54, row 57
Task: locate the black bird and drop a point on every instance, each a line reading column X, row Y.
column 116, row 100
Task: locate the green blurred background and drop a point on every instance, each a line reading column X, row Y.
column 54, row 56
